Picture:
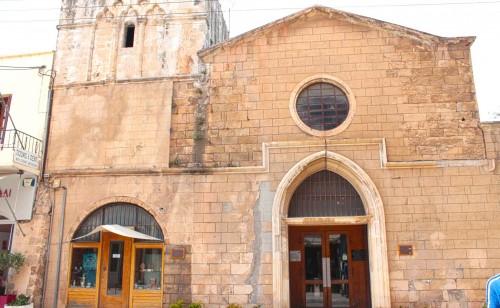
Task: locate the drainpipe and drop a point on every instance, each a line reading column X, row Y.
column 47, row 125
column 42, row 174
column 48, row 117
column 46, row 272
column 58, row 264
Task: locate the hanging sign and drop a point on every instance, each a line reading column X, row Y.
column 20, row 197
column 25, row 158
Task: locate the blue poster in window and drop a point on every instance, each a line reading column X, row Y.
column 89, row 266
column 89, row 261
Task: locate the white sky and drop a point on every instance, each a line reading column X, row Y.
column 28, row 26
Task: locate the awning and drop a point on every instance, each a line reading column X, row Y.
column 120, row 230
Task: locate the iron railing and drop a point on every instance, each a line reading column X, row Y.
column 14, row 138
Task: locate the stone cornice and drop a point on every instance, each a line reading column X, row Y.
column 266, row 148
column 424, row 38
column 200, row 16
column 126, row 81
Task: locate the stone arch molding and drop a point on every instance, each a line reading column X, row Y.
column 375, row 220
column 120, row 199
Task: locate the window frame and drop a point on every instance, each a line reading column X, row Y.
column 92, row 245
column 4, row 116
column 83, row 292
column 136, row 246
column 322, row 78
column 126, row 38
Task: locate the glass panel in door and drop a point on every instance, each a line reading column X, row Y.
column 115, row 273
column 339, row 270
column 313, row 257
column 329, row 267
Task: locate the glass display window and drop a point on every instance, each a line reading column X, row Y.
column 83, row 268
column 148, row 268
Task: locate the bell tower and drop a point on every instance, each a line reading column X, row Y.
column 124, row 69
column 106, row 40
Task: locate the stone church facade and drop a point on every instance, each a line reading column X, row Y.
column 325, row 159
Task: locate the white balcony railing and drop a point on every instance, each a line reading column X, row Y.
column 19, row 151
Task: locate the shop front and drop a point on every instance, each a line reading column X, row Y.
column 116, row 259
column 17, row 194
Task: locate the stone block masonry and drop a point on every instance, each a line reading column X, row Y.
column 209, row 144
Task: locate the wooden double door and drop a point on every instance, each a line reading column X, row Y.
column 329, row 267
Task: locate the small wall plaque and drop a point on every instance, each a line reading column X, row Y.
column 295, row 256
column 178, row 253
column 359, row 255
column 405, row 250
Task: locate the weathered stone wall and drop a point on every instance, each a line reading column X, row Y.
column 166, row 38
column 223, row 218
column 122, row 125
column 491, row 133
column 34, row 246
column 217, row 29
column 162, row 143
column 415, row 90
column 449, row 216
column 210, row 214
column 447, row 213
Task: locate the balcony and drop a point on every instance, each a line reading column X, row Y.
column 19, row 151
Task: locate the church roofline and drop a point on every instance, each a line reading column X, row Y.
column 425, row 38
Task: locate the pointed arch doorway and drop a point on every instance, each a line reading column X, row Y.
column 344, row 246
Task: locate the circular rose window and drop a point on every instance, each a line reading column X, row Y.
column 322, row 106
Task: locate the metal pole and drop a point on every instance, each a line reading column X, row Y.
column 46, row 137
column 61, row 229
column 48, row 117
column 46, row 273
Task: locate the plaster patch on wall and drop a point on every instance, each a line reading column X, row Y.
column 457, row 296
column 262, row 214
